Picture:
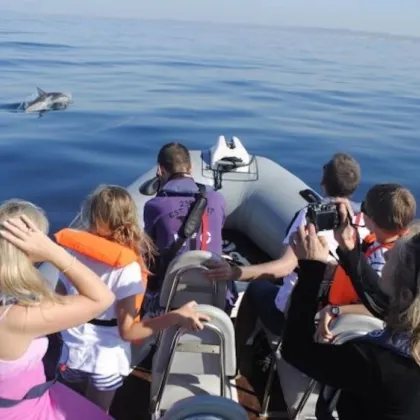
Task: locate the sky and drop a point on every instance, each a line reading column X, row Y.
column 388, row 16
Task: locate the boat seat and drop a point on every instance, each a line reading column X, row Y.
column 185, row 280
column 301, row 392
column 194, row 363
column 208, row 407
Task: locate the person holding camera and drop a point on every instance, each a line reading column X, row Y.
column 378, row 374
column 263, row 298
column 388, row 210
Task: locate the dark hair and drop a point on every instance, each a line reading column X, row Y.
column 391, row 206
column 174, row 158
column 341, row 176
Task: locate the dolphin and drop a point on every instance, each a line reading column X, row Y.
column 48, row 101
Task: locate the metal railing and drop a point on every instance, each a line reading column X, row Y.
column 156, row 400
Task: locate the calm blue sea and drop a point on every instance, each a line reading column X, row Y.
column 295, row 95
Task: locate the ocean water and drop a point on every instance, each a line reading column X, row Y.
column 294, row 95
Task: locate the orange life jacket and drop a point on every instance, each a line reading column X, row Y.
column 342, row 291
column 104, row 251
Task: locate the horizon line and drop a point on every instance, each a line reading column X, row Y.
column 210, row 22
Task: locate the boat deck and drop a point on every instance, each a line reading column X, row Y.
column 132, row 400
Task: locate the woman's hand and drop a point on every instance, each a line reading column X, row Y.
column 345, row 234
column 307, row 245
column 25, row 235
column 189, row 318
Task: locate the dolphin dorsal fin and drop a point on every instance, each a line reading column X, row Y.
column 41, row 93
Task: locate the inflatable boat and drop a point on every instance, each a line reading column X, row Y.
column 192, row 373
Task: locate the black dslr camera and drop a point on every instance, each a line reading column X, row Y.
column 324, row 216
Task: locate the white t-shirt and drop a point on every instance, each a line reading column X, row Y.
column 289, row 281
column 100, row 349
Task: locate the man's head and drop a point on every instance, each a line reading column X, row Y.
column 388, row 209
column 173, row 158
column 341, row 176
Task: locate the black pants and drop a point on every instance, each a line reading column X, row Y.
column 258, row 303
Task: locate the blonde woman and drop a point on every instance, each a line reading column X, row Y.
column 113, row 247
column 379, row 374
column 29, row 311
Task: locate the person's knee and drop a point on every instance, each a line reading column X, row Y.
column 254, row 289
column 257, row 289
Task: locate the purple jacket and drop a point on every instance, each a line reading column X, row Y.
column 164, row 214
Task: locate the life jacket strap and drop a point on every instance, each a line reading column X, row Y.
column 104, row 322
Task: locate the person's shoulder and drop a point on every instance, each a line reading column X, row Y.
column 154, row 205
column 152, row 202
column 126, row 281
column 126, row 274
column 214, row 195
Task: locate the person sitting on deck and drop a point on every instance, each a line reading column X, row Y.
column 378, row 374
column 99, row 349
column 388, row 210
column 263, row 298
column 31, row 313
column 164, row 216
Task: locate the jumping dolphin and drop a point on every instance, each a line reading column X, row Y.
column 48, row 101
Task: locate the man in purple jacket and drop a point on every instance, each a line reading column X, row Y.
column 165, row 213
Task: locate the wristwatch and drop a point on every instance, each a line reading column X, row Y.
column 335, row 310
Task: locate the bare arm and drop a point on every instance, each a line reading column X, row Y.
column 49, row 317
column 133, row 331
column 222, row 271
column 354, row 309
column 272, row 269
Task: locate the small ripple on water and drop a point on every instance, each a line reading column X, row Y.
column 21, row 45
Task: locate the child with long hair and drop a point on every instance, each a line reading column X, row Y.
column 113, row 247
column 30, row 310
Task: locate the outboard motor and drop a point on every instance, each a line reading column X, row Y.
column 228, row 156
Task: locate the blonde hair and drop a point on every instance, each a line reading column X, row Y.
column 407, row 277
column 112, row 213
column 19, row 280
